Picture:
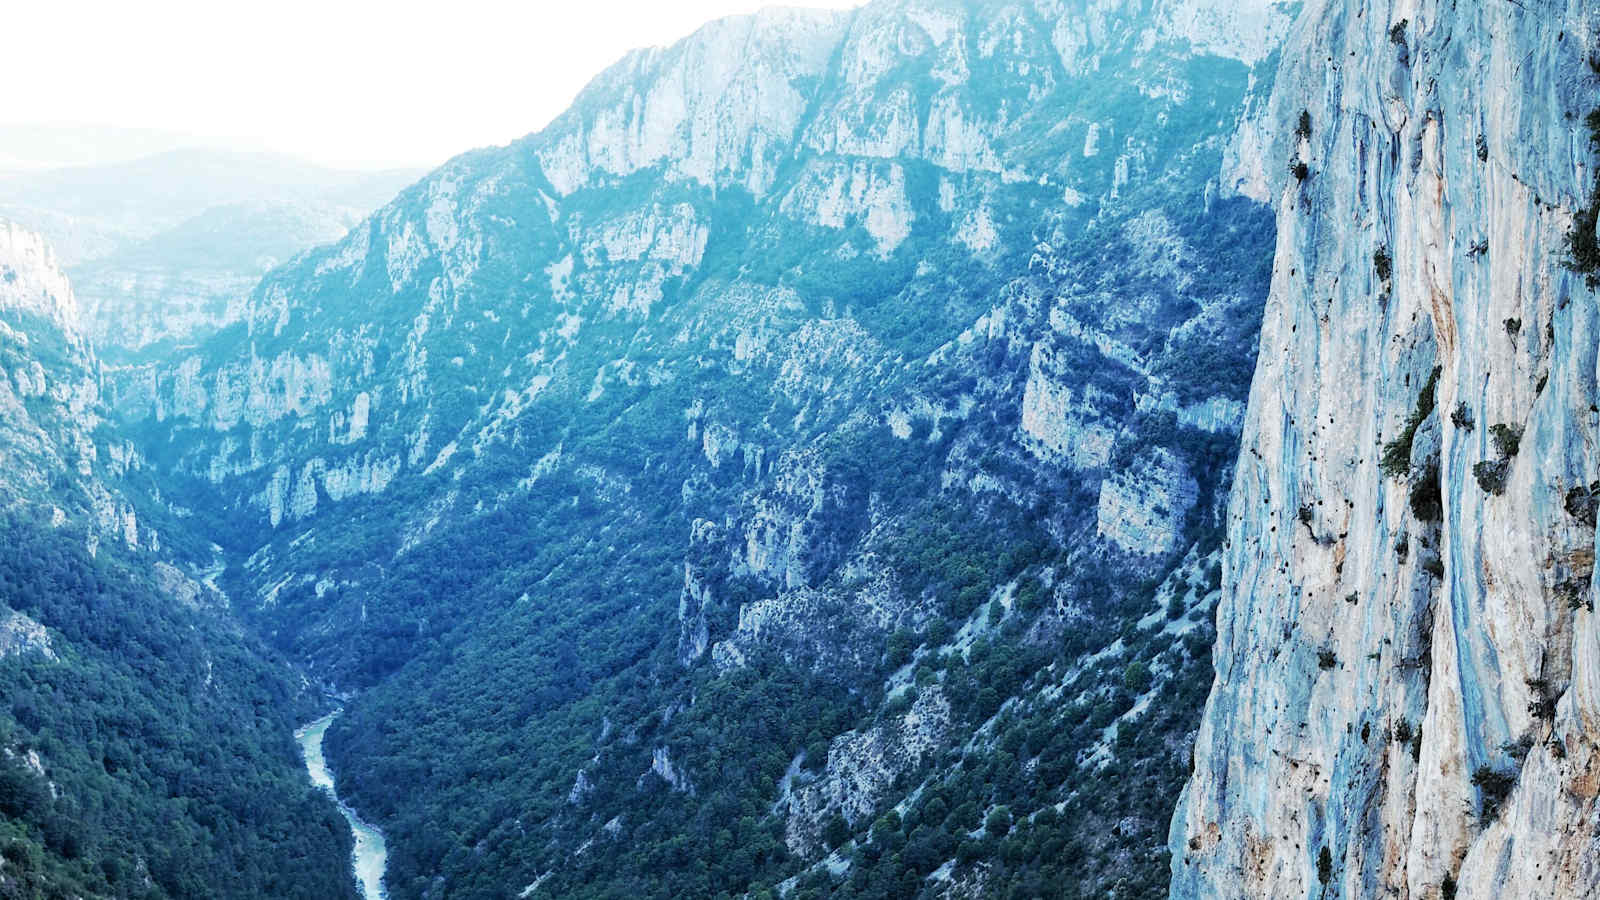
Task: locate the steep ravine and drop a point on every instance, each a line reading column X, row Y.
column 144, row 737
column 854, row 388
column 1407, row 698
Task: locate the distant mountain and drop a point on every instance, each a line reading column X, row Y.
column 37, row 147
column 142, row 197
column 165, row 248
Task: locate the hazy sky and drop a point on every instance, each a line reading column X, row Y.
column 357, row 83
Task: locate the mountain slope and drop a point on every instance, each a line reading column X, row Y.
column 54, row 423
column 1405, row 693
column 800, row 463
column 144, row 746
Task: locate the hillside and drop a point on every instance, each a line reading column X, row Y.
column 144, row 739
column 802, row 460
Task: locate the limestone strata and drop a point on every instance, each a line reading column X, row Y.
column 1445, row 157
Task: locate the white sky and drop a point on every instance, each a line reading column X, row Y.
column 353, row 83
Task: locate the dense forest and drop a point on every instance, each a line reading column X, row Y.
column 148, row 753
column 539, row 649
column 581, row 674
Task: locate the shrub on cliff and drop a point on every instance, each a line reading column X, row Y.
column 1583, row 249
column 1396, row 459
column 1494, row 786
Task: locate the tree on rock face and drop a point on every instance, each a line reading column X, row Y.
column 836, row 832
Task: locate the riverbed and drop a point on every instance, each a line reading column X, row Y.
column 370, row 854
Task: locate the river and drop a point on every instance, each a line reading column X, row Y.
column 370, row 855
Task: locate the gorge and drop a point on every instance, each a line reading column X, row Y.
column 945, row 448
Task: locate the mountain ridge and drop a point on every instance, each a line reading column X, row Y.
column 726, row 365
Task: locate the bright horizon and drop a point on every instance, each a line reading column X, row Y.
column 353, row 84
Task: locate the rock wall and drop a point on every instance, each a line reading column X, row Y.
column 32, row 280
column 21, row 635
column 1407, row 694
column 56, row 458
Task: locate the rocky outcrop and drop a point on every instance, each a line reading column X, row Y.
column 694, row 603
column 862, row 768
column 20, row 635
column 796, row 532
column 661, row 766
column 33, row 282
column 1062, row 421
column 1407, row 701
column 57, row 458
column 1143, row 508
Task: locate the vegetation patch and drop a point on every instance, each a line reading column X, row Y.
column 1494, row 787
column 1581, row 503
column 1302, row 129
column 1491, row 475
column 1427, row 498
column 1396, row 459
column 1402, row 732
column 1583, row 248
column 1542, row 699
column 1407, row 736
column 1507, row 439
column 1383, row 263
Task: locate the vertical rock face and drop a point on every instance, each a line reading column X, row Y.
column 1146, row 515
column 56, row 458
column 33, row 282
column 1407, row 697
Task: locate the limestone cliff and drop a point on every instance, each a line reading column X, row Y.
column 1408, row 659
column 59, row 462
column 826, row 203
